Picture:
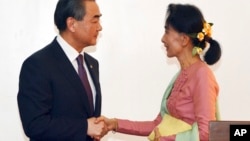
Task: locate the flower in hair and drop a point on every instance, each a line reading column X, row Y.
column 206, row 32
column 196, row 50
column 207, row 29
column 200, row 36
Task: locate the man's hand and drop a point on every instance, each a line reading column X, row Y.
column 96, row 129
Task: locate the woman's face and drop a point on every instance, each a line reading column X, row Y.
column 172, row 41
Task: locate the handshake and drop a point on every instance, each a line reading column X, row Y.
column 100, row 126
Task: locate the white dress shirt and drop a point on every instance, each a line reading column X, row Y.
column 72, row 54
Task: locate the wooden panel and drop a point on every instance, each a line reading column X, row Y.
column 220, row 130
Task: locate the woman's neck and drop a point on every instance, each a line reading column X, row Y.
column 188, row 61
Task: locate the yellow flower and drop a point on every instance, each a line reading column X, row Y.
column 207, row 30
column 199, row 50
column 200, row 36
column 196, row 50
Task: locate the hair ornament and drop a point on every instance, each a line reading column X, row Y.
column 196, row 50
column 206, row 31
column 200, row 36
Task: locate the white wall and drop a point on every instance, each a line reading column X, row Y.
column 134, row 69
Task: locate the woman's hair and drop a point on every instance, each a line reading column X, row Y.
column 188, row 19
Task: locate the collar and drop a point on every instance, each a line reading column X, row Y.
column 70, row 52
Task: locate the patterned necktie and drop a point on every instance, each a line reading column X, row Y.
column 83, row 75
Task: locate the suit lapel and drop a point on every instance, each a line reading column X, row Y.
column 69, row 72
column 93, row 70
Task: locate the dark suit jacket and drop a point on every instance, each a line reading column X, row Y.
column 52, row 101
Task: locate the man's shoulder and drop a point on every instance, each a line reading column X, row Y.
column 46, row 49
column 44, row 53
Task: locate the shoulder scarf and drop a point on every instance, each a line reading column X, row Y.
column 187, row 135
column 191, row 133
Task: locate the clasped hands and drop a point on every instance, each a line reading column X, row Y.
column 100, row 126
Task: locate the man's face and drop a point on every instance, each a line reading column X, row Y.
column 88, row 28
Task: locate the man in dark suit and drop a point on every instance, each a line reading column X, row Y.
column 52, row 100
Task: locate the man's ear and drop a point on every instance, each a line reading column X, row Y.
column 71, row 24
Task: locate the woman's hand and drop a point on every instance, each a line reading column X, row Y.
column 157, row 134
column 110, row 123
